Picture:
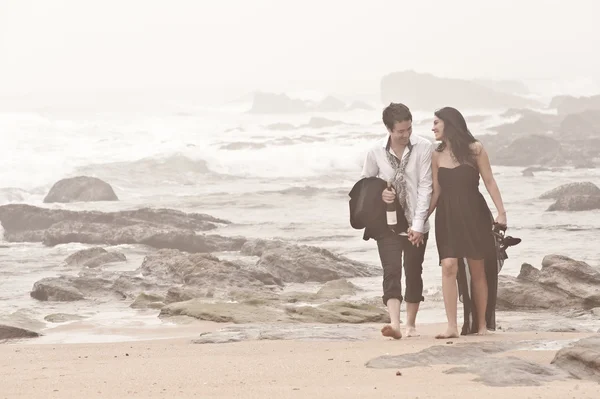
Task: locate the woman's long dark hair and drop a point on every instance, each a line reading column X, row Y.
column 457, row 134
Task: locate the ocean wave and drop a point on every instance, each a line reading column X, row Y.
column 562, row 227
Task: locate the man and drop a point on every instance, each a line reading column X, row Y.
column 404, row 160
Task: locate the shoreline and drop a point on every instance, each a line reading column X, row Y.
column 177, row 367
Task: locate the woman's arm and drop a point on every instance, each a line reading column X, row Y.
column 485, row 170
column 435, row 196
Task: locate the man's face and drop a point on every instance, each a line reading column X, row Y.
column 401, row 132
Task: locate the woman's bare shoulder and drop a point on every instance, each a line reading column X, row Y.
column 476, row 147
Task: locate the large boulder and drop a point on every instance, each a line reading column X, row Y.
column 578, row 196
column 582, row 359
column 576, row 203
column 80, row 188
column 561, row 285
column 11, row 332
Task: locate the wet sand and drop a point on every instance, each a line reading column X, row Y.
column 178, row 368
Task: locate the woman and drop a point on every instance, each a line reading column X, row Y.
column 463, row 223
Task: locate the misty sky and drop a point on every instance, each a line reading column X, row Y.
column 281, row 44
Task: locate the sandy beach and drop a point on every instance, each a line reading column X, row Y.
column 179, row 368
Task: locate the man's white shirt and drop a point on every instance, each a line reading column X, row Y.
column 419, row 181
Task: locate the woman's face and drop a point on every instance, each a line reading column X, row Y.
column 438, row 129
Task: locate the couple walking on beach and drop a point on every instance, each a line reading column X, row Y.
column 420, row 177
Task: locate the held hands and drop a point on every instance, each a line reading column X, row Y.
column 388, row 196
column 415, row 237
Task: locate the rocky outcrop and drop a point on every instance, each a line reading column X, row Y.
column 570, row 105
column 572, row 139
column 428, row 92
column 582, row 359
column 10, row 332
column 158, row 228
column 578, row 196
column 170, row 276
column 268, row 312
column 582, row 124
column 561, row 285
column 203, row 271
column 483, row 359
column 525, row 151
column 530, row 123
column 94, row 257
column 300, row 264
column 81, row 188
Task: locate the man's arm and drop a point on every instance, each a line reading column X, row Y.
column 424, row 190
column 370, row 168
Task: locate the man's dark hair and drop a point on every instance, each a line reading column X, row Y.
column 395, row 112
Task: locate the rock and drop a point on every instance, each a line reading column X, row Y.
column 301, row 264
column 428, row 92
column 62, row 317
column 72, row 288
column 581, row 360
column 238, row 313
column 569, row 189
column 529, row 150
column 80, row 188
column 534, row 169
column 148, row 301
column 203, row 271
column 561, row 285
column 575, row 203
column 583, row 124
column 94, row 257
column 265, row 311
column 570, row 105
column 165, row 276
column 56, row 289
column 580, row 196
column 287, row 331
column 337, row 288
column 478, row 359
column 338, row 312
column 10, row 332
column 528, row 173
column 531, row 123
column 158, row 228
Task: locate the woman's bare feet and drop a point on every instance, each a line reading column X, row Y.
column 389, row 331
column 451, row 332
column 411, row 331
column 483, row 331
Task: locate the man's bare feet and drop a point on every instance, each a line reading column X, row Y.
column 451, row 332
column 389, row 331
column 411, row 332
column 483, row 331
